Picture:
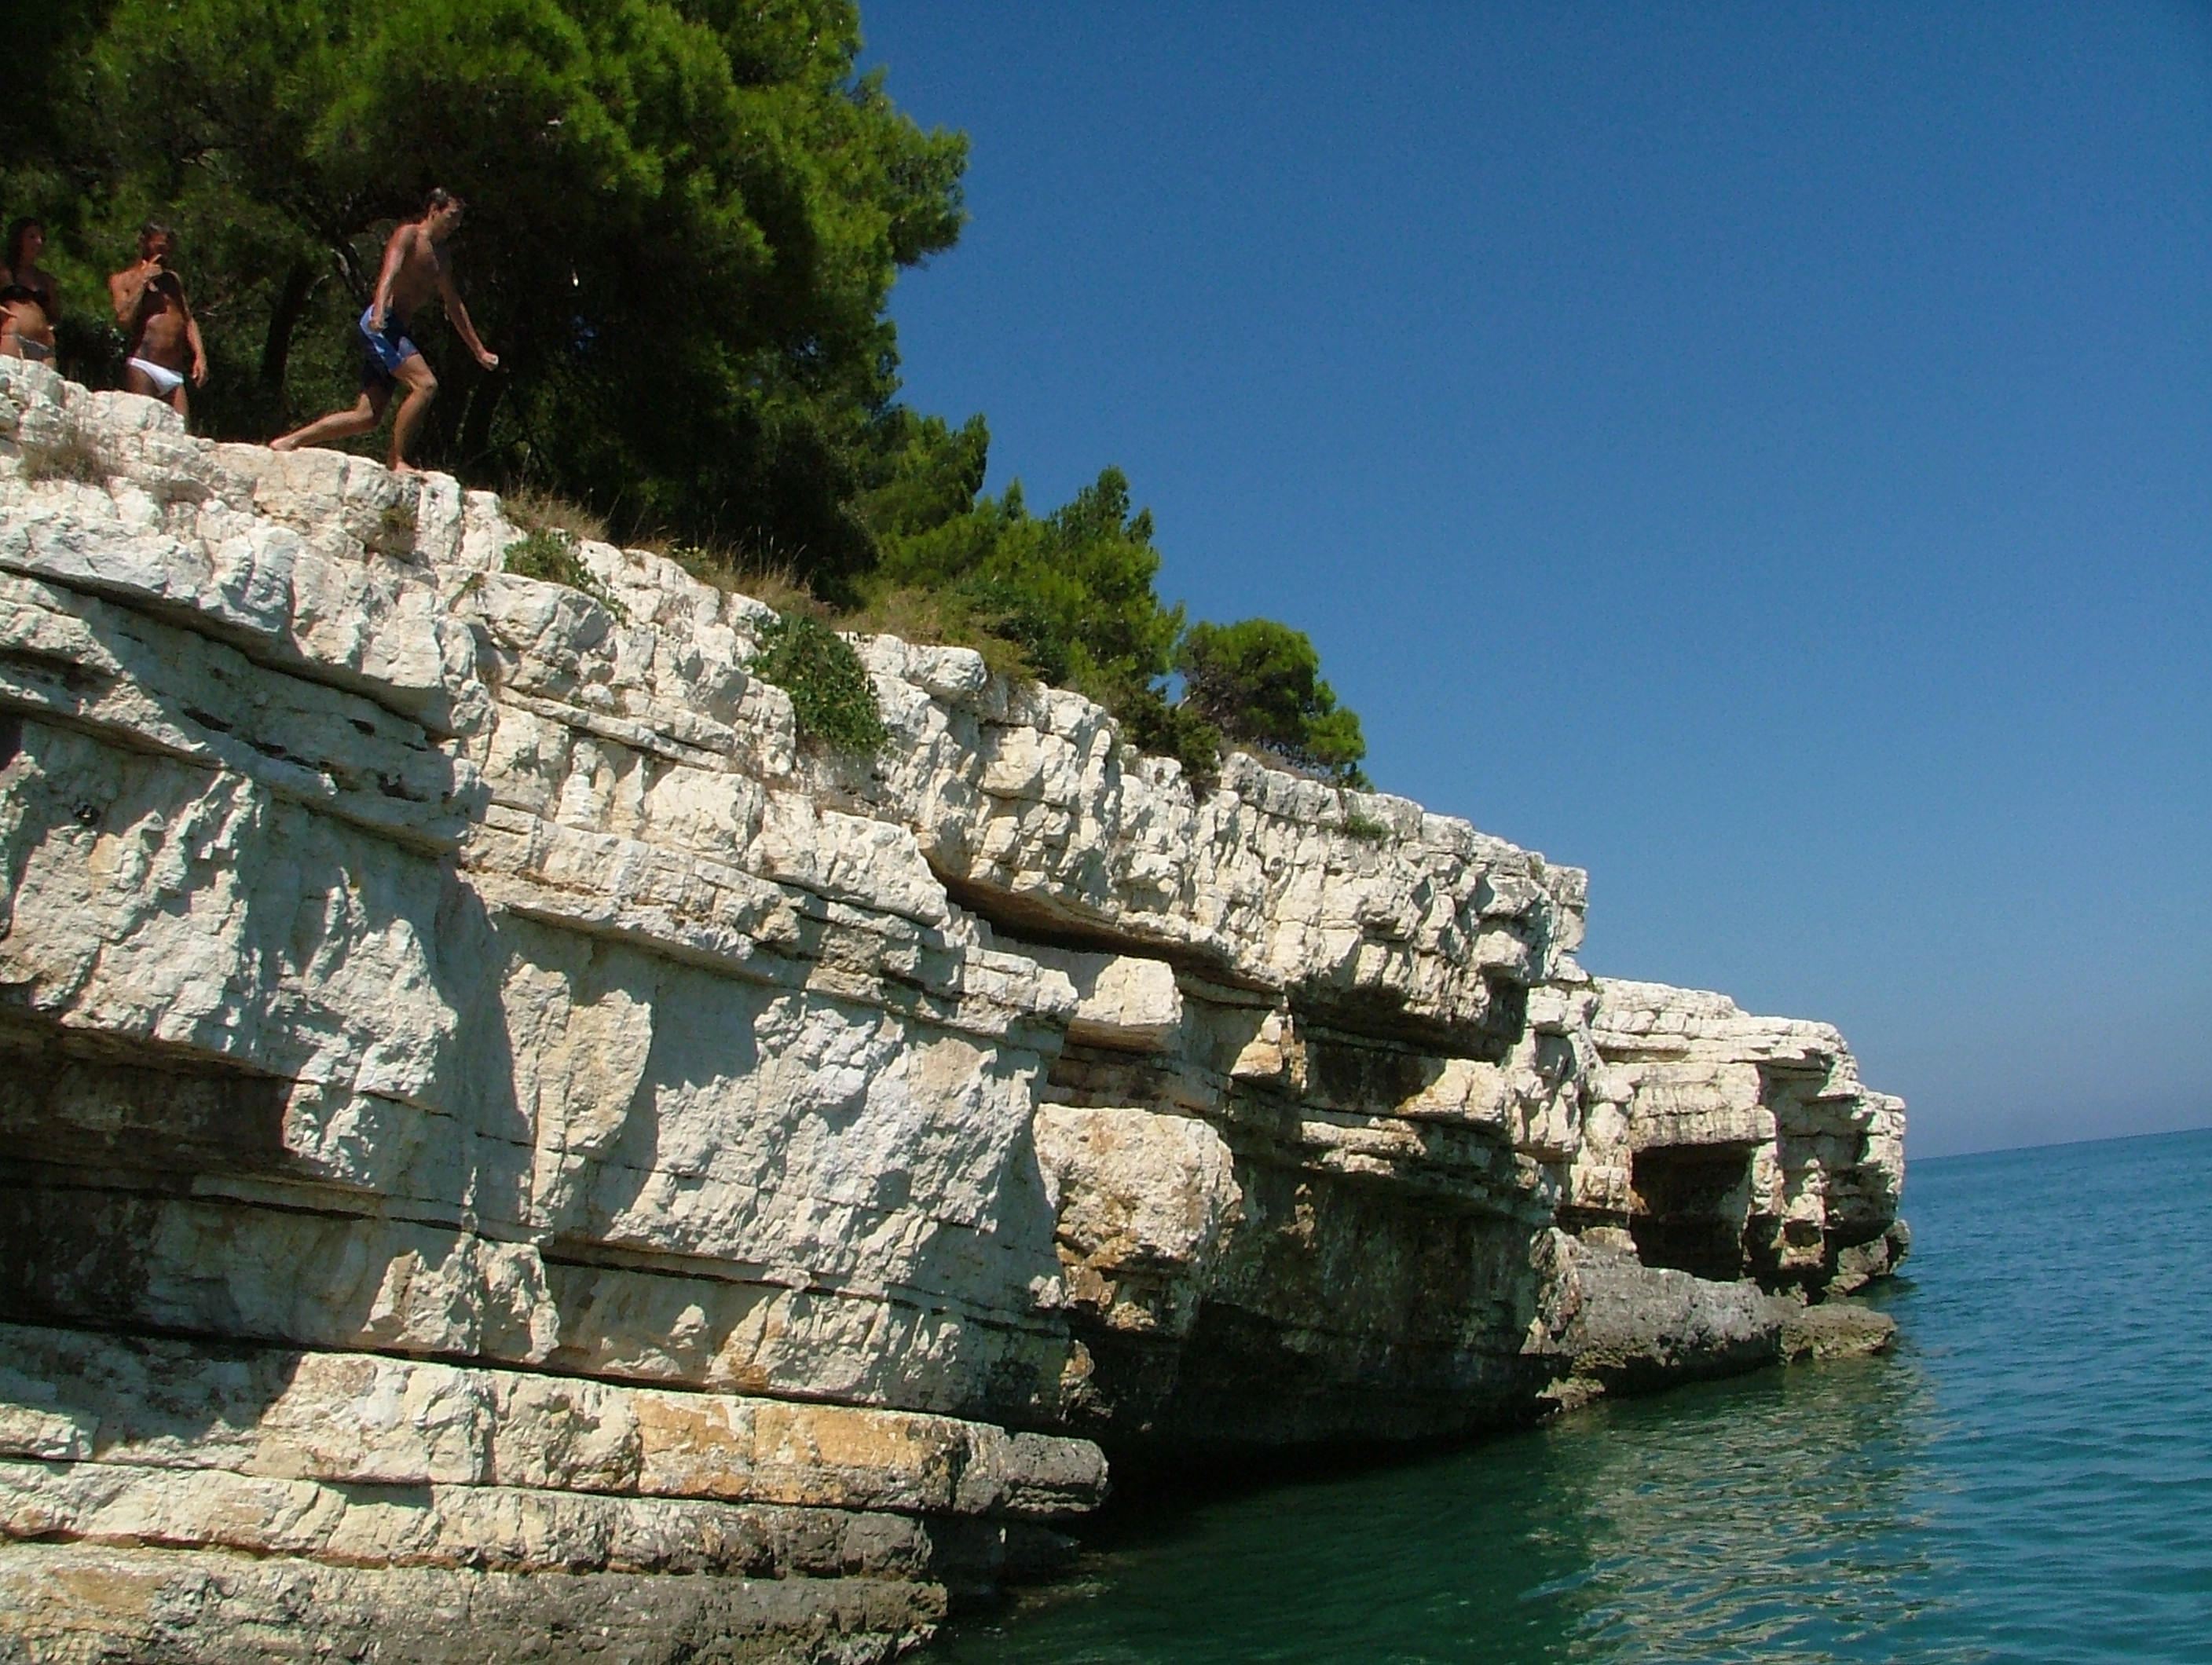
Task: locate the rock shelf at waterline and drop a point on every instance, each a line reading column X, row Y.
column 502, row 1136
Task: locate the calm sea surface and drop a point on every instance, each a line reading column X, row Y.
column 2029, row 1478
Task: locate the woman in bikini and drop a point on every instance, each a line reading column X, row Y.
column 30, row 301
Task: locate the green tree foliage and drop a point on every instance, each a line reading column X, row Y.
column 1074, row 591
column 1070, row 595
column 686, row 218
column 1071, row 589
column 1260, row 683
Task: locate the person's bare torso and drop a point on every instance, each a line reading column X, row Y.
column 40, row 283
column 421, row 271
column 26, row 314
column 162, row 333
column 26, row 320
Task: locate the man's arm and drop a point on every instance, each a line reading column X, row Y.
column 459, row 314
column 192, row 335
column 395, row 256
column 126, row 289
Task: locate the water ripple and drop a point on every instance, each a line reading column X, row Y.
column 2030, row 1479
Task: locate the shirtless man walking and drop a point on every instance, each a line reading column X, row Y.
column 164, row 336
column 414, row 269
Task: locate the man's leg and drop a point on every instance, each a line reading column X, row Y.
column 366, row 412
column 422, row 388
column 135, row 380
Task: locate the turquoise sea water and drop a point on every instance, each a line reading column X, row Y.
column 2028, row 1478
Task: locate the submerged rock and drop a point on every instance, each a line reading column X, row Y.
column 499, row 1134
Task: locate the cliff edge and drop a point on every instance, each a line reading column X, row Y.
column 493, row 1122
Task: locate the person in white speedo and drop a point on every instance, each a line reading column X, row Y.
column 164, row 336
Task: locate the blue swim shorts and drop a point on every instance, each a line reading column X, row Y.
column 383, row 351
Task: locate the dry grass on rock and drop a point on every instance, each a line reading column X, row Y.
column 533, row 510
column 774, row 583
column 937, row 620
column 67, row 454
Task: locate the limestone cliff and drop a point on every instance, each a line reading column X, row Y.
column 482, row 1101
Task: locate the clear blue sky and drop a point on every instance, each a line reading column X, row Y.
column 1761, row 453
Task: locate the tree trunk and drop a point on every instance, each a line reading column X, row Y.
column 292, row 298
column 476, row 426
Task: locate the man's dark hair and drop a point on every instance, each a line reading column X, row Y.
column 152, row 230
column 16, row 231
column 440, row 197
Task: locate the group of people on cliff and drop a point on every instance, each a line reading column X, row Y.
column 165, row 356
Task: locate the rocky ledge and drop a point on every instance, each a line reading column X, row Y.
column 499, row 1139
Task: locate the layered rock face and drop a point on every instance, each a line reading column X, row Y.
column 501, row 1137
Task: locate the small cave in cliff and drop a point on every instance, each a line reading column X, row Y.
column 1688, row 1207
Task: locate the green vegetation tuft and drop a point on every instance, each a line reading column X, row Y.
column 551, row 557
column 1167, row 730
column 1069, row 598
column 1358, row 824
column 941, row 618
column 832, row 696
column 395, row 530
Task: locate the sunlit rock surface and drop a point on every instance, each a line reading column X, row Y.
column 482, row 1101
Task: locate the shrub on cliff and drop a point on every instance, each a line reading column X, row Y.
column 1157, row 725
column 550, row 556
column 832, row 696
column 1073, row 589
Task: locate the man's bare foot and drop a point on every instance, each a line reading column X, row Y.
column 399, row 467
column 284, row 442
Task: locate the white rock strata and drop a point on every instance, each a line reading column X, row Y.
column 483, row 1101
